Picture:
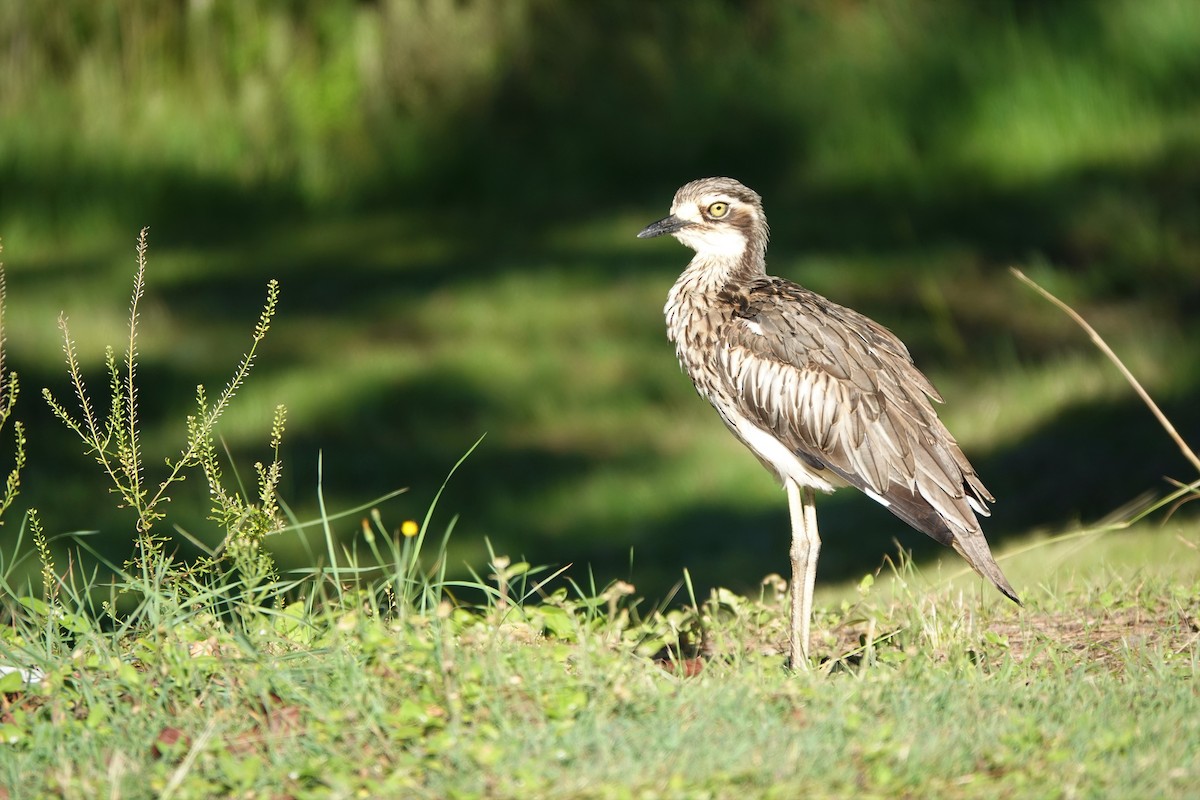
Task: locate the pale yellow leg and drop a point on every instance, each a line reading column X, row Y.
column 806, row 545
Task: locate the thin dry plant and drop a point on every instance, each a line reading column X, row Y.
column 1188, row 453
column 1183, row 491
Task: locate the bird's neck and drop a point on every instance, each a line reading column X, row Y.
column 692, row 303
column 710, row 273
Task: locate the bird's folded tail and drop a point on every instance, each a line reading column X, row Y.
column 973, row 547
column 949, row 522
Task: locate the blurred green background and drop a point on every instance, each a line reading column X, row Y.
column 449, row 191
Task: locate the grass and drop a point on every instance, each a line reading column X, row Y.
column 920, row 693
column 378, row 674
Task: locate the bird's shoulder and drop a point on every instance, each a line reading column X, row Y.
column 782, row 322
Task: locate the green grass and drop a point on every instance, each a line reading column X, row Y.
column 344, row 691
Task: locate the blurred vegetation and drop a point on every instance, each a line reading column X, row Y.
column 447, row 191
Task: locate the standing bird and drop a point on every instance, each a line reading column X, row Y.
column 823, row 396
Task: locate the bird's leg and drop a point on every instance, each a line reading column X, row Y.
column 814, row 549
column 806, row 544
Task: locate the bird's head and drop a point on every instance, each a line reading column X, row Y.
column 715, row 217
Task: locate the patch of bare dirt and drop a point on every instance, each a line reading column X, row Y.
column 1108, row 636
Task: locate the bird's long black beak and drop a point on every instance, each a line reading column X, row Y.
column 665, row 225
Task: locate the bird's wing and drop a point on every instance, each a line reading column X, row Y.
column 841, row 391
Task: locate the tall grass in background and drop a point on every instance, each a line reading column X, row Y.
column 315, row 101
column 335, row 103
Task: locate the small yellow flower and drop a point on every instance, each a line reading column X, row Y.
column 410, row 528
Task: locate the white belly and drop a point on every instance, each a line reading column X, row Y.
column 783, row 461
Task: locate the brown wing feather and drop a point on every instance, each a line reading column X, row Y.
column 841, row 391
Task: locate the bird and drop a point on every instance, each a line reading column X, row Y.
column 823, row 396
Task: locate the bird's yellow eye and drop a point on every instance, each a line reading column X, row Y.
column 718, row 210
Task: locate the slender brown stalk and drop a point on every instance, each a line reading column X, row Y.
column 1188, row 453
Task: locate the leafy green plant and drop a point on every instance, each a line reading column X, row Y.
column 115, row 443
